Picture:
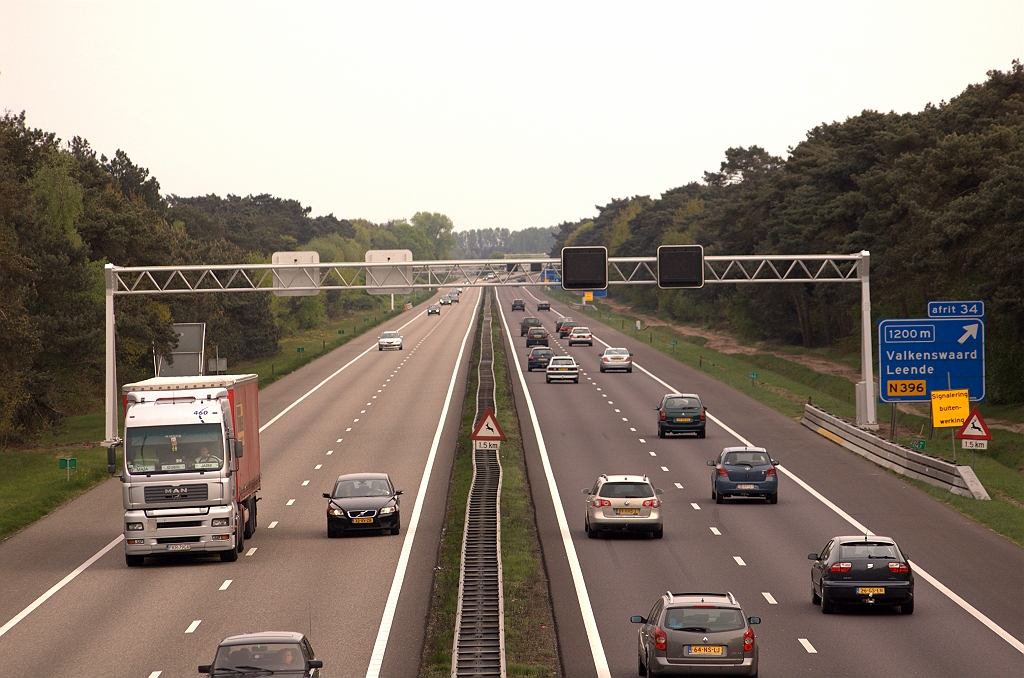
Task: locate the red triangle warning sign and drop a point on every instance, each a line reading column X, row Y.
column 488, row 428
column 974, row 428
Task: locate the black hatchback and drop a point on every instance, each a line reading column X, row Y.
column 862, row 570
column 361, row 502
column 681, row 413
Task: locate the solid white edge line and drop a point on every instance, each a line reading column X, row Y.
column 380, row 644
column 946, row 591
column 332, row 376
column 589, row 621
column 58, row 586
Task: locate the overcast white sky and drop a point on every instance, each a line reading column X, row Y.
column 496, row 114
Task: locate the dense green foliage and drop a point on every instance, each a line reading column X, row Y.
column 65, row 213
column 481, row 243
column 937, row 197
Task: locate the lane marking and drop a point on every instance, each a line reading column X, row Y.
column 348, row 429
column 250, row 551
column 643, row 441
column 354, row 420
column 193, row 626
column 807, row 646
column 155, row 674
column 332, row 376
column 225, row 585
column 663, row 468
column 946, row 591
column 677, row 484
column 380, row 644
column 272, row 525
column 330, row 452
column 739, row 561
column 290, row 502
column 632, row 429
column 338, row 440
column 586, row 610
column 714, row 531
column 624, row 419
column 653, row 454
column 770, row 598
column 695, row 506
column 318, row 467
column 58, row 586
column 305, row 482
column 611, row 403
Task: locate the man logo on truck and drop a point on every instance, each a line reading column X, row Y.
column 176, row 492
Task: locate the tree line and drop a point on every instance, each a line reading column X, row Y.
column 66, row 211
column 936, row 196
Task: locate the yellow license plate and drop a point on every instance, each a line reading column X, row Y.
column 682, row 419
column 714, row 650
column 871, row 590
column 362, row 520
column 563, row 369
column 627, row 512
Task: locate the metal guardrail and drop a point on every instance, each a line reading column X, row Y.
column 903, row 460
column 479, row 647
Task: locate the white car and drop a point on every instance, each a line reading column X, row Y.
column 562, row 368
column 389, row 340
column 581, row 335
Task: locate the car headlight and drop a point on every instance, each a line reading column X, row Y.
column 133, row 527
column 220, row 522
column 388, row 509
column 335, row 512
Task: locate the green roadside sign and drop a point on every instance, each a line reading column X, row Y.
column 917, row 444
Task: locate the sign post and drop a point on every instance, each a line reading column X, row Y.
column 974, row 434
column 488, row 434
column 919, row 356
column 950, row 409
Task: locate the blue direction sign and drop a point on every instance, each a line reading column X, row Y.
column 918, row 356
column 956, row 309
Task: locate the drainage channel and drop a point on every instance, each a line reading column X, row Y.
column 479, row 648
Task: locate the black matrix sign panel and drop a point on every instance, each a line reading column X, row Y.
column 584, row 268
column 680, row 266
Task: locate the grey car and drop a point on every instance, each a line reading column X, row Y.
column 744, row 472
column 623, row 504
column 276, row 653
column 689, row 634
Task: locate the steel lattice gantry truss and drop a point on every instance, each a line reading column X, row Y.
column 483, row 272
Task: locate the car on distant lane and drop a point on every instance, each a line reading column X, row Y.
column 558, row 323
column 562, row 368
column 536, row 336
column 616, row 359
column 454, row 296
column 565, row 328
column 361, row 502
column 623, row 503
column 433, row 309
column 688, row 634
column 389, row 340
column 681, row 413
column 581, row 335
column 445, row 300
column 527, row 323
column 518, row 305
column 862, row 570
column 543, row 305
column 263, row 654
column 538, row 358
column 744, row 472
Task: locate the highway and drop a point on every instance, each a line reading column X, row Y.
column 396, row 412
column 607, row 424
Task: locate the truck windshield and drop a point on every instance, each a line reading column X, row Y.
column 174, row 449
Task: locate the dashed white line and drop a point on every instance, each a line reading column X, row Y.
column 643, row 441
column 348, row 429
column 251, row 551
column 338, row 440
column 695, row 505
column 653, row 454
column 716, row 532
column 664, row 468
column 678, row 485
column 624, row 419
column 155, row 674
column 363, row 411
column 290, row 502
column 770, row 598
column 355, row 420
column 330, row 452
column 739, row 561
column 632, row 429
column 616, row 409
column 318, row 467
column 807, row 646
column 225, row 585
column 272, row 525
column 305, row 482
column 193, row 626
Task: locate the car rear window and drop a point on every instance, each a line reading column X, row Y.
column 616, row 351
column 543, row 352
column 563, row 361
column 681, row 403
column 581, row 330
column 747, row 458
column 537, row 331
column 703, row 620
column 626, row 490
column 869, row 549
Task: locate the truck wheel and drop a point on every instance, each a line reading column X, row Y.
column 240, row 537
column 229, row 556
column 134, row 561
column 250, row 524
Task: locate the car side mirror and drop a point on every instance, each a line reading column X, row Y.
column 239, row 449
column 657, row 407
column 711, row 462
column 316, row 663
column 637, row 619
column 204, row 668
column 775, row 462
column 660, row 491
column 812, row 556
column 585, row 490
column 327, row 495
column 754, row 620
column 630, row 355
column 398, row 492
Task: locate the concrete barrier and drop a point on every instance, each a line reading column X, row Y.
column 903, row 460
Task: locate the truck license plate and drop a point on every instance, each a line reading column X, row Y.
column 179, row 547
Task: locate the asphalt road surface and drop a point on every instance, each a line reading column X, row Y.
column 385, row 411
column 607, row 424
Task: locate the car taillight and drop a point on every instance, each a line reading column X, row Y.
column 770, row 472
column 840, row 567
column 606, row 359
column 722, row 471
column 702, row 417
column 598, row 502
column 660, row 639
column 748, row 640
column 656, row 503
column 898, row 567
column 661, row 414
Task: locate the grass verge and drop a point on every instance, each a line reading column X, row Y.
column 785, row 386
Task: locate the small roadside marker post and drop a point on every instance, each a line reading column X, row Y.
column 69, row 463
column 752, row 376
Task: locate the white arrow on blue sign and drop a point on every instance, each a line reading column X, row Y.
column 944, row 353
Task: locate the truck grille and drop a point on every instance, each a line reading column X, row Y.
column 178, row 540
column 176, row 493
column 180, row 523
